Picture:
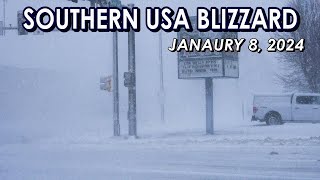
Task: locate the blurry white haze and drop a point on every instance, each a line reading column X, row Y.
column 55, row 123
column 50, row 83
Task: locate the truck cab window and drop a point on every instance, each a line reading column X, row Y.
column 317, row 100
column 305, row 99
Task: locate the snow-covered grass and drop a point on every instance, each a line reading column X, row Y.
column 257, row 133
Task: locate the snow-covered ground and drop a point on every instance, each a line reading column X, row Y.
column 291, row 151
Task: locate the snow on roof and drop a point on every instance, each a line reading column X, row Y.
column 273, row 94
column 287, row 94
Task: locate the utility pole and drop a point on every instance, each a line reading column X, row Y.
column 132, row 117
column 162, row 91
column 115, row 69
column 209, row 106
column 116, row 122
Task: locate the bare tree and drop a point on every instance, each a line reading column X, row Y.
column 302, row 69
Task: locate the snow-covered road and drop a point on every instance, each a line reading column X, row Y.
column 285, row 153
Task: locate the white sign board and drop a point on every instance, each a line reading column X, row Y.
column 231, row 68
column 200, row 68
column 207, row 64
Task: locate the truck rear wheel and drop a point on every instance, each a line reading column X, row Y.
column 273, row 119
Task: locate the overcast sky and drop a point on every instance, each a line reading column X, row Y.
column 89, row 56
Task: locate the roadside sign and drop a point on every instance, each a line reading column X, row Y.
column 207, row 64
column 106, row 83
column 1, row 28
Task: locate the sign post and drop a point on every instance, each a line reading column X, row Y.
column 208, row 65
column 209, row 106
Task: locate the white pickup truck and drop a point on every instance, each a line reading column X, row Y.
column 277, row 109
